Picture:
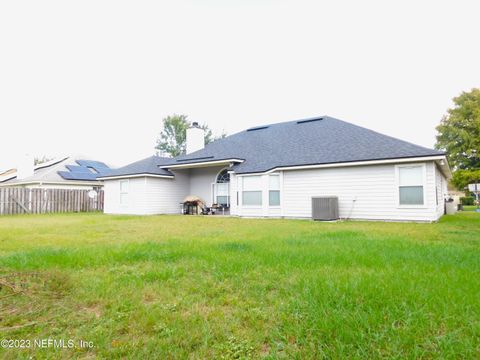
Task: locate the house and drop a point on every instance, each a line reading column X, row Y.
column 275, row 171
column 63, row 173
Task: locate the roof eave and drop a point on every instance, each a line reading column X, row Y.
column 348, row 164
column 43, row 182
column 202, row 163
column 445, row 167
column 128, row 176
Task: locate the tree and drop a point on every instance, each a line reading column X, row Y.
column 461, row 178
column 459, row 131
column 172, row 139
column 41, row 160
column 459, row 135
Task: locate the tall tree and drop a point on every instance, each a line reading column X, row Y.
column 461, row 178
column 459, row 131
column 172, row 138
column 459, row 134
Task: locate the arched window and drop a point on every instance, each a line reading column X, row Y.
column 223, row 177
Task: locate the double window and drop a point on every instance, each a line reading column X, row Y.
column 410, row 185
column 123, row 192
column 252, row 190
column 253, row 186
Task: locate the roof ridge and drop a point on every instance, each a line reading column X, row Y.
column 256, row 127
column 290, row 121
column 54, row 166
column 303, row 142
column 50, row 163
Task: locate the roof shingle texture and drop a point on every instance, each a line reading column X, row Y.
column 324, row 140
column 144, row 166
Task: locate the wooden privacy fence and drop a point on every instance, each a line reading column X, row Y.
column 41, row 201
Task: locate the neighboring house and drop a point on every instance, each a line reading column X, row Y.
column 7, row 174
column 275, row 170
column 63, row 173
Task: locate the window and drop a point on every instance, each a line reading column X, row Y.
column 274, row 190
column 222, row 194
column 123, row 192
column 252, row 190
column 223, row 177
column 222, row 188
column 410, row 185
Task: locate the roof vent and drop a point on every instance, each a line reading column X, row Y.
column 309, row 120
column 258, row 128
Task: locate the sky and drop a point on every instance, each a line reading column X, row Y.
column 96, row 78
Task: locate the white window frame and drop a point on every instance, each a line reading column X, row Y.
column 127, row 193
column 260, row 189
column 424, row 186
column 279, row 190
column 214, row 189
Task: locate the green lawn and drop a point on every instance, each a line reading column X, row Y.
column 211, row 287
column 469, row 207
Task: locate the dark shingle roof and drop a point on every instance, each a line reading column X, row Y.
column 323, row 140
column 145, row 166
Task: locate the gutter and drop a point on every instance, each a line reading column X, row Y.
column 349, row 163
column 201, row 163
column 127, row 176
column 92, row 183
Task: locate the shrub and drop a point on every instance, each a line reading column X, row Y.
column 467, row 200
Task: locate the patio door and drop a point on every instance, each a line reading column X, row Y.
column 221, row 189
column 222, row 194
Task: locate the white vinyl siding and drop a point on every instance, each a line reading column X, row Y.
column 201, row 181
column 364, row 192
column 136, row 197
column 234, row 194
column 123, row 192
column 440, row 191
column 147, row 195
column 164, row 196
